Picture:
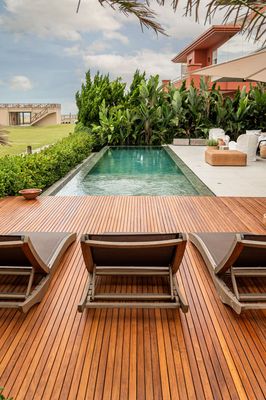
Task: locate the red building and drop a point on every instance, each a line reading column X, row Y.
column 202, row 53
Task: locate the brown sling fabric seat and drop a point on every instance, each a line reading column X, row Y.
column 34, row 255
column 136, row 254
column 234, row 255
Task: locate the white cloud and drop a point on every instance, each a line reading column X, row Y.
column 99, row 45
column 175, row 23
column 94, row 47
column 178, row 25
column 72, row 51
column 116, row 36
column 125, row 65
column 49, row 18
column 20, row 82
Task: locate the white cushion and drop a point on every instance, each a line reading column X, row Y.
column 248, row 144
column 232, row 145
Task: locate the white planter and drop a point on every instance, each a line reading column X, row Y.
column 181, row 142
column 198, row 142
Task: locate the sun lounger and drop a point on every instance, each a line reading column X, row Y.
column 34, row 255
column 150, row 255
column 230, row 256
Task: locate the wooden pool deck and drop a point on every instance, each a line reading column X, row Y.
column 54, row 352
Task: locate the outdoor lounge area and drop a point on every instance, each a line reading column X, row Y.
column 210, row 352
column 225, row 180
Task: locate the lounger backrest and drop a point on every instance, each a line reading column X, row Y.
column 253, row 253
column 17, row 250
column 11, row 251
column 156, row 255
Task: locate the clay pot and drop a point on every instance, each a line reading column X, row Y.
column 212, row 147
column 221, row 142
column 30, row 194
column 263, row 151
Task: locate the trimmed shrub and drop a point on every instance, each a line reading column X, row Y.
column 44, row 168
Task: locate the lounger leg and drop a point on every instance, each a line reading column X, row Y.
column 171, row 283
column 30, row 282
column 233, row 278
column 87, row 294
column 93, row 283
column 36, row 295
column 180, row 297
column 226, row 295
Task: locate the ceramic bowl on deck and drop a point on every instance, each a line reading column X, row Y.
column 30, row 194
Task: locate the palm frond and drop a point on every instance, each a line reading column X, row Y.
column 250, row 14
column 140, row 10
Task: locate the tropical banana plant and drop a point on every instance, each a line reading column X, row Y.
column 237, row 121
column 257, row 112
column 148, row 114
column 196, row 117
column 149, row 111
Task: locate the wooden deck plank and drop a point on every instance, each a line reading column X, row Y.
column 54, row 352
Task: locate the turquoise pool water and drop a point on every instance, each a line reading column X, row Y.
column 131, row 171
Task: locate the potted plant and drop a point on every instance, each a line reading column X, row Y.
column 212, row 144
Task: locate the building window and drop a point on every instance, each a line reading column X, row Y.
column 214, row 57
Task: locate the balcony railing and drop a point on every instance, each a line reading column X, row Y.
column 29, row 105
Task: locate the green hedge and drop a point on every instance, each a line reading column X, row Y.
column 42, row 169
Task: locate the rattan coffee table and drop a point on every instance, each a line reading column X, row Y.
column 225, row 157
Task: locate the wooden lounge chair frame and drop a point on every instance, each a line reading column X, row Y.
column 92, row 299
column 242, row 242
column 31, row 264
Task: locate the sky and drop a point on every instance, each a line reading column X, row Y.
column 46, row 47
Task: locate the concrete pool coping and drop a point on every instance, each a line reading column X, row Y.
column 245, row 181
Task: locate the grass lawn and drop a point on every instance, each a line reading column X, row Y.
column 21, row 137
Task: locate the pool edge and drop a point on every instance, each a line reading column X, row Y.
column 196, row 182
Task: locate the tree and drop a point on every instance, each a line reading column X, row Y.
column 92, row 93
column 251, row 14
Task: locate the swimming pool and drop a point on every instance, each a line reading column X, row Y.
column 134, row 171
